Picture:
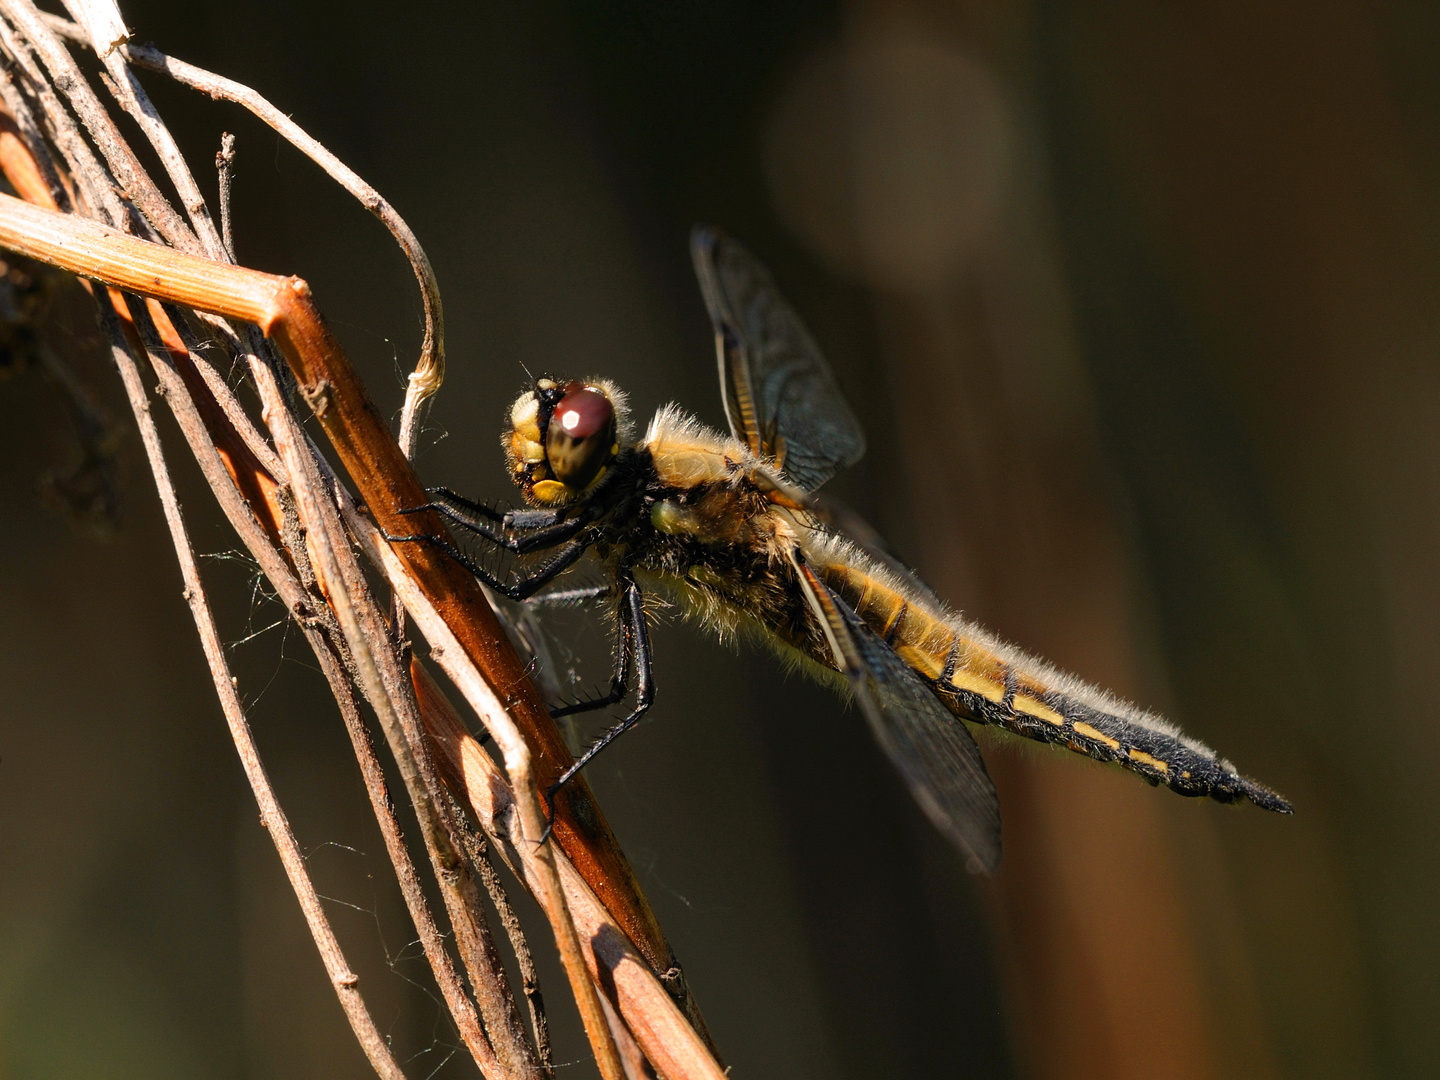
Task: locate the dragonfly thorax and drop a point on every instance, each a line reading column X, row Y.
column 562, row 437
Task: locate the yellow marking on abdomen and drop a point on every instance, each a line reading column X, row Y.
column 1030, row 706
column 1096, row 734
column 1154, row 762
column 977, row 684
column 877, row 605
column 921, row 639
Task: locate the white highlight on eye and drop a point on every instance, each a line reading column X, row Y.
column 568, row 420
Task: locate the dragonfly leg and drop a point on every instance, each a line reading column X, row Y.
column 521, row 588
column 527, row 540
column 562, row 560
column 644, row 685
column 566, row 597
column 535, row 528
column 446, row 497
column 620, row 680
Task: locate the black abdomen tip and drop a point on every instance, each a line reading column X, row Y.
column 1264, row 798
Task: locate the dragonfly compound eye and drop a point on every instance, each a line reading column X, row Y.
column 580, row 437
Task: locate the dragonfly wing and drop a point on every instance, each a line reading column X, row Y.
column 780, row 396
column 529, row 640
column 934, row 751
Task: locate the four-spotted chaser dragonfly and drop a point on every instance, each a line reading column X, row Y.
column 731, row 529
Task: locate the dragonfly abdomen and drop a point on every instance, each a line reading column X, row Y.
column 981, row 680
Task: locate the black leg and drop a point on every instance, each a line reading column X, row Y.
column 476, row 525
column 520, row 519
column 644, row 692
column 566, row 597
column 620, row 680
column 533, row 539
column 520, row 589
column 480, row 510
column 561, row 561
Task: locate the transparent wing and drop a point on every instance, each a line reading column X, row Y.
column 934, row 751
column 530, row 642
column 555, row 630
column 780, row 395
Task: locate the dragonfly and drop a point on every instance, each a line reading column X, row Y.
column 730, row 529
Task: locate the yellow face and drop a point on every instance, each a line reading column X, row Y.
column 562, row 438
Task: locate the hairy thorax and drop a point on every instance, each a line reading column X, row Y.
column 715, row 537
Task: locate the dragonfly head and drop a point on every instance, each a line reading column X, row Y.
column 562, row 437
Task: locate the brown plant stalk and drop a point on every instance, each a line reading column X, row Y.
column 342, row 978
column 264, row 492
column 224, row 443
column 283, row 310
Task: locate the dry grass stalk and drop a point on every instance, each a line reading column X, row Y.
column 345, row 982
column 284, row 504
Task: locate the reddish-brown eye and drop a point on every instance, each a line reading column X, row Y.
column 580, row 436
column 583, row 412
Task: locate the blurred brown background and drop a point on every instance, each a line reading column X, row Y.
column 1140, row 305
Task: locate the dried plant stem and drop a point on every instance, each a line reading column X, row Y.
column 344, row 980
column 126, row 90
column 466, row 914
column 93, row 188
column 225, row 166
column 385, row 687
column 430, row 371
column 662, row 1031
column 128, row 171
column 256, row 480
column 470, row 1031
column 282, row 308
column 249, row 491
column 304, row 609
column 23, row 156
column 475, row 848
column 545, row 882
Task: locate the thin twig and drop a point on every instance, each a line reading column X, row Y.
column 95, row 188
column 200, row 436
column 202, row 442
column 367, row 637
column 301, row 606
column 429, row 372
column 484, row 968
column 24, row 156
column 661, row 1029
column 225, row 166
column 121, row 160
column 345, row 981
column 465, row 913
column 475, row 850
column 131, row 96
column 546, row 880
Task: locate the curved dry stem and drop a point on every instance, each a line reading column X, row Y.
column 224, row 442
column 367, row 638
column 122, row 162
column 429, row 372
column 332, row 665
column 539, row 851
